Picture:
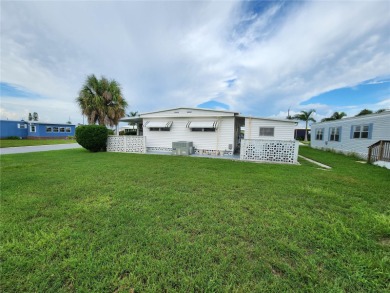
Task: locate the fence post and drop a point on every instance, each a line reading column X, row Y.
column 369, row 154
column 381, row 148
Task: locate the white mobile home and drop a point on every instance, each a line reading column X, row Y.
column 351, row 135
column 214, row 132
column 211, row 132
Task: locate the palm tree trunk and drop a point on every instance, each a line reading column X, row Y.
column 306, row 131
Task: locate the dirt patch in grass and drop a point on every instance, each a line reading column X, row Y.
column 385, row 241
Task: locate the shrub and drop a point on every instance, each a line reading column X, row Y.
column 14, row 137
column 92, row 137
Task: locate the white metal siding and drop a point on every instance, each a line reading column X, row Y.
column 380, row 131
column 218, row 140
column 187, row 113
column 283, row 130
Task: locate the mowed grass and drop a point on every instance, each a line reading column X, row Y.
column 7, row 143
column 74, row 221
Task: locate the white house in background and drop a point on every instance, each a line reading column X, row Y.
column 212, row 132
column 351, row 135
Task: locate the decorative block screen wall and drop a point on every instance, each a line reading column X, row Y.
column 280, row 151
column 126, row 144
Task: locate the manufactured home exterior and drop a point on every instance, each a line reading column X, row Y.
column 9, row 128
column 35, row 130
column 351, row 135
column 212, row 132
column 268, row 128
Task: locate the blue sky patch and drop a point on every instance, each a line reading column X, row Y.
column 9, row 90
column 230, row 82
column 213, row 105
column 368, row 92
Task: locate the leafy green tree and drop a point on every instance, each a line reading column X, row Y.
column 305, row 116
column 364, row 112
column 380, row 111
column 101, row 100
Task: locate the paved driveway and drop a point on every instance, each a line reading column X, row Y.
column 39, row 148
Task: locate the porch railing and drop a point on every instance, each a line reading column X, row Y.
column 379, row 151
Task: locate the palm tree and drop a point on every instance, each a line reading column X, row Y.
column 338, row 115
column 305, row 116
column 335, row 116
column 101, row 101
column 132, row 114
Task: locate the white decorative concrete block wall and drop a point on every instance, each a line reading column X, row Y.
column 126, row 144
column 280, row 151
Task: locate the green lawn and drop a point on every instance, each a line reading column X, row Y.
column 6, row 143
column 74, row 221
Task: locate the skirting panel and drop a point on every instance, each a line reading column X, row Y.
column 280, row 151
column 213, row 152
column 159, row 149
column 126, row 144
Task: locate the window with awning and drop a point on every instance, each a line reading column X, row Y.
column 158, row 125
column 202, row 124
column 205, row 126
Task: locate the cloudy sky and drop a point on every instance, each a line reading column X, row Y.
column 260, row 58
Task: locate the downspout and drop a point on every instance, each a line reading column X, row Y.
column 250, row 128
column 218, row 133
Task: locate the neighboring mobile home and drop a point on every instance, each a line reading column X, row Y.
column 211, row 132
column 35, row 130
column 351, row 135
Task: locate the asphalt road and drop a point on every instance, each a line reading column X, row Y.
column 39, row 148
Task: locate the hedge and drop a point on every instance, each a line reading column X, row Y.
column 92, row 137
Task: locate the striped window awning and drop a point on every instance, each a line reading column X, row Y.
column 158, row 124
column 202, row 124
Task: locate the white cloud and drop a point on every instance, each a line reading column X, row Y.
column 169, row 54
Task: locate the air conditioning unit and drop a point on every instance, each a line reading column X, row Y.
column 182, row 148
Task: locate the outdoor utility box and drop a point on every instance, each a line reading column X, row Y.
column 182, row 148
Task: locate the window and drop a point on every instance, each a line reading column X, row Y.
column 49, row 129
column 267, row 131
column 334, row 133
column 204, row 129
column 361, row 131
column 22, row 125
column 62, row 129
column 158, row 125
column 202, row 126
column 33, row 128
column 67, row 129
column 55, row 129
column 159, row 128
column 320, row 134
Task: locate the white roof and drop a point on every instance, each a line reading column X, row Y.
column 361, row 117
column 188, row 109
column 271, row 119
